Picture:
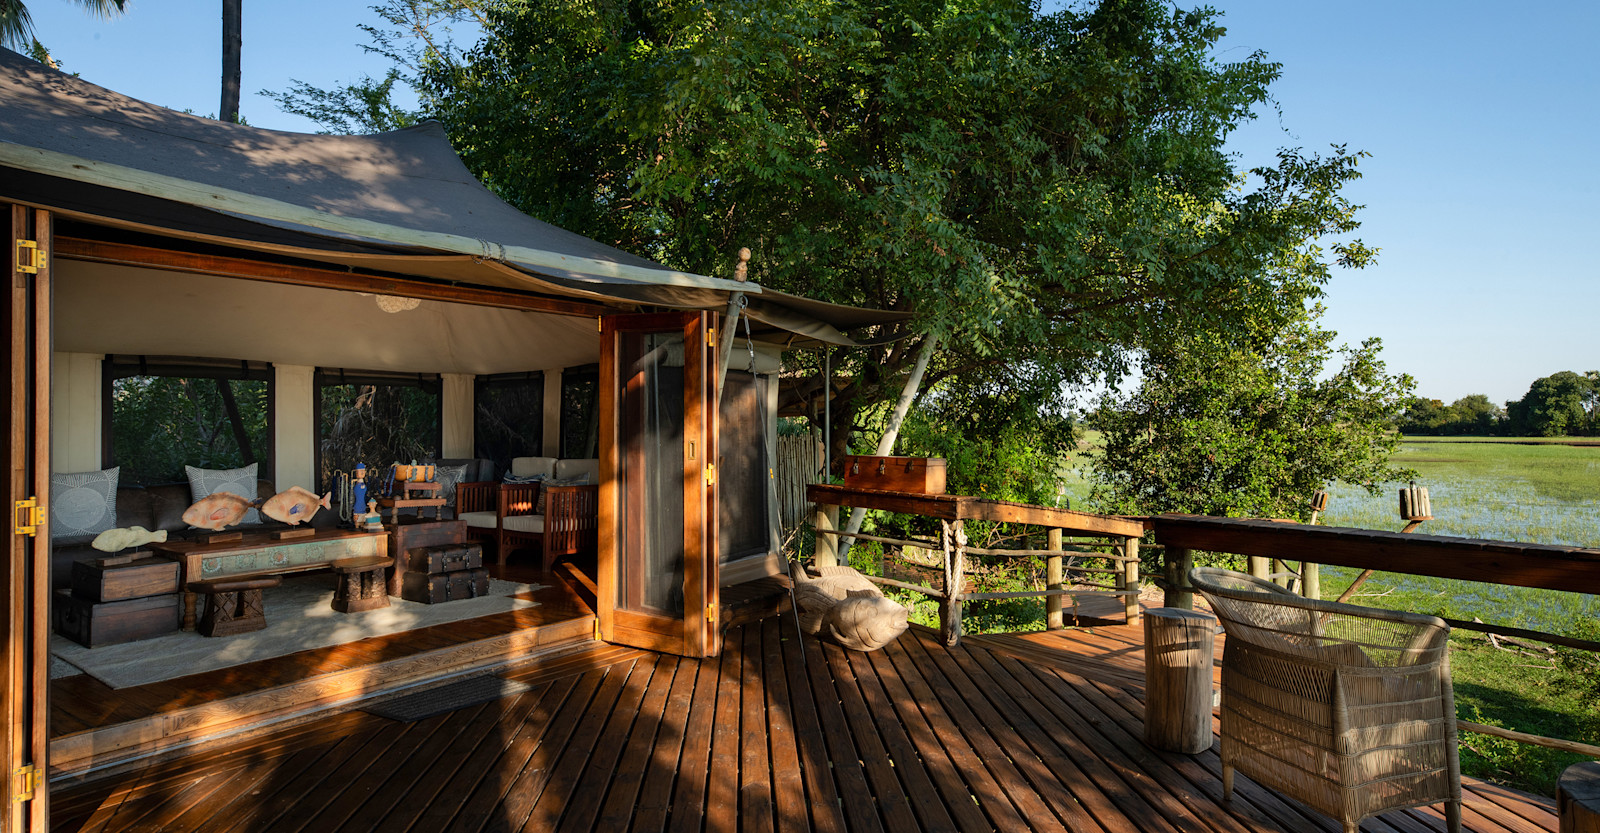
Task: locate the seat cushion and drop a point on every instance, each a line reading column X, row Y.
column 478, row 520
column 525, row 523
column 578, row 472
column 533, row 466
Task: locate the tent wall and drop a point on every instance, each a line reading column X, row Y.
column 75, row 410
column 294, row 425
column 456, row 398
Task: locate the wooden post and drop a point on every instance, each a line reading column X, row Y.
column 1578, row 798
column 1129, row 580
column 1179, row 649
column 1310, row 580
column 953, row 540
column 827, row 548
column 1259, row 565
column 1179, row 562
column 1054, row 580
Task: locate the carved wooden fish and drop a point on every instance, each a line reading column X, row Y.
column 133, row 536
column 216, row 511
column 295, row 505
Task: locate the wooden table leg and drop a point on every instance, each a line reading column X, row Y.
column 188, row 610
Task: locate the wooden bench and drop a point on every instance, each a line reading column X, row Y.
column 363, row 583
column 233, row 605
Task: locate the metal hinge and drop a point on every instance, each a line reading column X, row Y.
column 711, row 474
column 711, row 612
column 29, row 258
column 711, row 336
column 27, row 517
column 596, row 627
column 24, row 781
column 599, row 325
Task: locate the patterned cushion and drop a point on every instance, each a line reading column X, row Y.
column 206, row 482
column 83, row 503
column 448, row 477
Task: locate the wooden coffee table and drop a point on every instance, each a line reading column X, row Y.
column 259, row 554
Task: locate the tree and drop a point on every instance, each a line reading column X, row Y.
column 232, row 45
column 1471, row 414
column 1555, row 405
column 16, row 26
column 1048, row 191
column 1218, row 429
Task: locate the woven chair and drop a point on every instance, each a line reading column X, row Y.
column 1347, row 708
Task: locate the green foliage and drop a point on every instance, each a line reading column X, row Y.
column 1049, row 191
column 1216, row 429
column 1470, row 415
column 16, row 25
column 377, row 425
column 160, row 424
column 365, row 106
column 1558, row 405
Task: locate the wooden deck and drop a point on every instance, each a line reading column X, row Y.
column 1039, row 732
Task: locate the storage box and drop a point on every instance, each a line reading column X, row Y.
column 444, row 559
column 922, row 475
column 92, row 624
column 410, row 533
column 120, row 577
column 444, row 587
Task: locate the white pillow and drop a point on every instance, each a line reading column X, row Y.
column 83, row 503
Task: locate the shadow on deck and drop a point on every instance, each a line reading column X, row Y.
column 1031, row 732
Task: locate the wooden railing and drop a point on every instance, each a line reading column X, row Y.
column 952, row 512
column 1550, row 567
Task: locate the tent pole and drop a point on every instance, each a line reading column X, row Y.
column 891, row 432
column 730, row 321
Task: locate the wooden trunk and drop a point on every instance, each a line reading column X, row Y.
column 449, row 558
column 92, row 624
column 1578, row 798
column 411, row 534
column 445, row 587
column 115, row 579
column 923, row 475
column 1179, row 649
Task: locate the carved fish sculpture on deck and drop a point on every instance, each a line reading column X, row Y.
column 295, row 505
column 844, row 606
column 122, row 538
column 216, row 511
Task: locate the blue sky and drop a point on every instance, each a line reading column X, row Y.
column 1482, row 121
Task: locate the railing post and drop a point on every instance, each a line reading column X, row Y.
column 1310, row 580
column 953, row 540
column 1179, row 561
column 827, row 548
column 1129, row 579
column 1054, row 580
column 1260, row 566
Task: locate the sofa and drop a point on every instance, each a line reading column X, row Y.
column 154, row 508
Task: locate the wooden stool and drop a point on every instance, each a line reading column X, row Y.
column 363, row 584
column 1179, row 646
column 1578, row 798
column 233, row 605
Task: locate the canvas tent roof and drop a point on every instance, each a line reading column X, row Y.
column 397, row 202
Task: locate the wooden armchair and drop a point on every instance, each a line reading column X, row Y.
column 1346, row 708
column 508, row 515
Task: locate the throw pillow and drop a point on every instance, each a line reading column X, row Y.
column 448, row 477
column 83, row 503
column 242, row 481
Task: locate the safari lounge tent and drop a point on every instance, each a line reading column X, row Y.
column 140, row 231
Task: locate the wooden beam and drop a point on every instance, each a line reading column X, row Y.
column 1551, row 567
column 150, row 257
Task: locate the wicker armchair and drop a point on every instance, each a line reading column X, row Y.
column 1347, row 708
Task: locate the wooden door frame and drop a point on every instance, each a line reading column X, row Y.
column 698, row 634
column 24, row 579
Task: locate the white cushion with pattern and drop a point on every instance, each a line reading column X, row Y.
column 479, row 520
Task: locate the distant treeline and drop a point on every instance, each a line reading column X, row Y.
column 1561, row 404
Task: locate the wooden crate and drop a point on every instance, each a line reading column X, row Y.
column 92, row 624
column 120, row 577
column 922, row 475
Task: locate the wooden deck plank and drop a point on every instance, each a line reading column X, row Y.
column 689, row 795
column 473, row 794
column 649, row 810
column 622, row 793
column 755, row 755
column 267, row 807
column 982, row 786
column 788, row 773
column 925, row 801
column 721, row 810
column 857, row 803
column 894, row 805
column 822, row 794
column 595, row 753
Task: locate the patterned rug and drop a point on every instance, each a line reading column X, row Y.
column 300, row 617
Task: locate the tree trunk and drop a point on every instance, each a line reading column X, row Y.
column 232, row 45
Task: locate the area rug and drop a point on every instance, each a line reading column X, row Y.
column 448, row 698
column 299, row 618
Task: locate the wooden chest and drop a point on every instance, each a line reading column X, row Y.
column 444, row 559
column 410, row 533
column 923, row 475
column 121, row 577
column 94, row 624
column 445, row 587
